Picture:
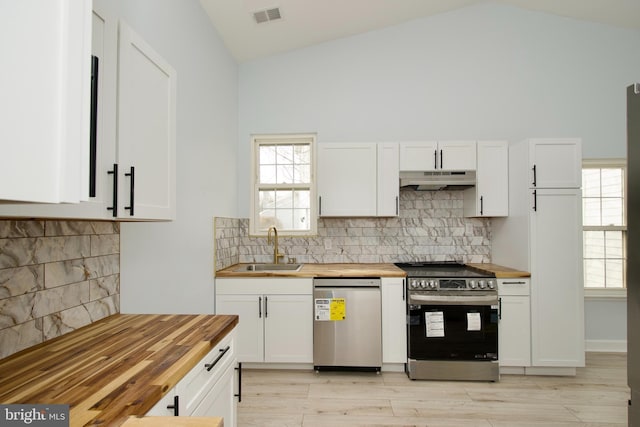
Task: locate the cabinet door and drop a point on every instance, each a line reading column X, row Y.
column 555, row 163
column 288, row 329
column 457, row 155
column 394, row 323
column 146, row 130
column 557, row 293
column 388, row 179
column 45, row 89
column 347, row 179
column 418, row 156
column 514, row 347
column 250, row 336
column 491, row 194
column 220, row 400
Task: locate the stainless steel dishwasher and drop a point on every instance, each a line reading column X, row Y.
column 347, row 324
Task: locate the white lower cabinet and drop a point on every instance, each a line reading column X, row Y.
column 276, row 317
column 514, row 336
column 394, row 323
column 208, row 389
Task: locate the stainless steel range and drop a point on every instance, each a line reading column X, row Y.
column 452, row 322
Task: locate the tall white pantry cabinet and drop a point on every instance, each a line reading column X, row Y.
column 543, row 235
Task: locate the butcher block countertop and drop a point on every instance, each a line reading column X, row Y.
column 500, row 271
column 115, row 368
column 320, row 270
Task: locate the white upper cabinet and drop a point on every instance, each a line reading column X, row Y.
column 135, row 127
column 490, row 196
column 45, row 88
column 388, row 196
column 146, row 135
column 555, row 163
column 426, row 156
column 358, row 179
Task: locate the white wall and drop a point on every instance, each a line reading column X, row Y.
column 168, row 267
column 487, row 71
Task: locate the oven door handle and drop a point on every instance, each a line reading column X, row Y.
column 454, row 299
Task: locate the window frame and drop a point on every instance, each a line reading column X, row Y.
column 282, row 139
column 606, row 293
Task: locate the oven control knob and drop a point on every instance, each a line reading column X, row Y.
column 491, row 284
column 472, row 284
column 482, row 284
column 413, row 284
column 424, row 284
column 432, row 284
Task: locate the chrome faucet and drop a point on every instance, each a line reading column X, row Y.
column 276, row 255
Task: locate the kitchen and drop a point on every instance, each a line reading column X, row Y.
column 492, row 59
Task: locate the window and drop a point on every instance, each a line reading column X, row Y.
column 604, row 223
column 284, row 184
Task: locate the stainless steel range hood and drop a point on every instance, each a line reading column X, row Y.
column 456, row 180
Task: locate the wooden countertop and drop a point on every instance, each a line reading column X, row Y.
column 114, row 368
column 500, row 271
column 320, row 270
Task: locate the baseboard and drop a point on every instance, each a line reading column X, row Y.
column 606, row 346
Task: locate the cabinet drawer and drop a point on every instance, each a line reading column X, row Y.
column 197, row 383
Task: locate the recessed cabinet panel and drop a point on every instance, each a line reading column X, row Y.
column 490, row 196
column 44, row 105
column 146, row 129
column 555, row 163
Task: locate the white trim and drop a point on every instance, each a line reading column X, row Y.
column 605, row 293
column 284, row 139
column 606, row 346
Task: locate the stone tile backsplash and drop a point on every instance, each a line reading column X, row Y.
column 55, row 277
column 430, row 227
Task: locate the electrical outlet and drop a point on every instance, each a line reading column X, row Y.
column 327, row 244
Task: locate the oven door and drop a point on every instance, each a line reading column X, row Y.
column 450, row 326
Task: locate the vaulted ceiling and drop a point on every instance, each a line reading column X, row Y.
column 307, row 22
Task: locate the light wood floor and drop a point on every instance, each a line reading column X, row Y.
column 597, row 396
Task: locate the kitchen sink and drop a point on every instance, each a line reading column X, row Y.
column 269, row 267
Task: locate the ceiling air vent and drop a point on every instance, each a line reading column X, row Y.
column 267, row 15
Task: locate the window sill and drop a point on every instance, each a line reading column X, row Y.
column 597, row 293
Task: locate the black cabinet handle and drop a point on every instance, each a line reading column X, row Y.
column 320, row 206
column 535, row 201
column 435, row 159
column 266, row 307
column 481, row 205
column 239, row 395
column 499, row 308
column 93, row 133
column 223, row 351
column 534, row 175
column 259, row 307
column 132, row 175
column 397, row 206
column 403, row 289
column 114, row 203
column 441, row 159
column 175, row 407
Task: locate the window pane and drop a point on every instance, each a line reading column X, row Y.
column 591, row 212
column 614, row 248
column 302, row 154
column 612, row 212
column 591, row 182
column 284, row 199
column 267, row 200
column 614, row 273
column 611, row 183
column 285, row 219
column 593, row 273
column 301, row 219
column 267, row 174
column 267, row 155
column 267, row 218
column 302, row 199
column 594, row 244
column 284, row 155
column 302, row 174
